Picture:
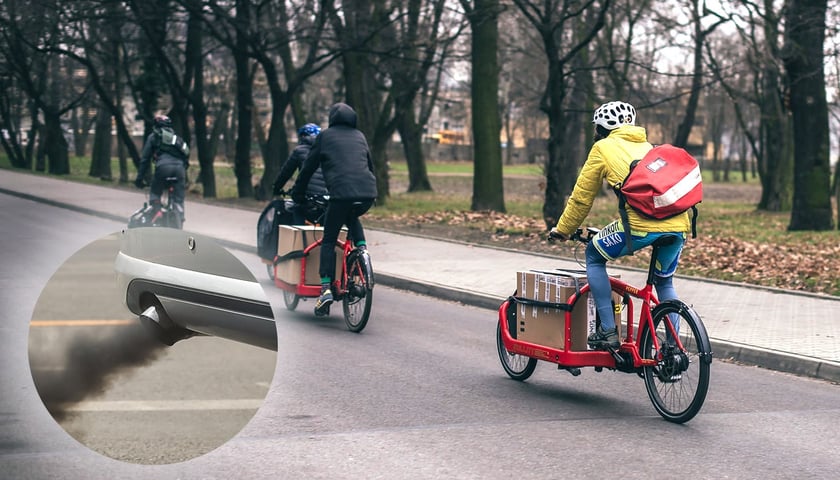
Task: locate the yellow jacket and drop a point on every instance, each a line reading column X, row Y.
column 610, row 159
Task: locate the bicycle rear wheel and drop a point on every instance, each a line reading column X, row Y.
column 358, row 293
column 677, row 385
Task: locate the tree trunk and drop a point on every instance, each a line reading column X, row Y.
column 805, row 34
column 245, row 104
column 55, row 145
column 33, row 137
column 100, row 157
column 775, row 164
column 488, row 187
column 412, row 134
column 277, row 144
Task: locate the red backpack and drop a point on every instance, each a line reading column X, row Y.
column 664, row 183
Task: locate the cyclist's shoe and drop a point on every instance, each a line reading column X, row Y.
column 322, row 306
column 603, row 338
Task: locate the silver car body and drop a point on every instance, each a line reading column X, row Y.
column 188, row 284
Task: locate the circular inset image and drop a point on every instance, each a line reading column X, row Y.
column 152, row 345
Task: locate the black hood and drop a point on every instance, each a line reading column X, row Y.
column 342, row 114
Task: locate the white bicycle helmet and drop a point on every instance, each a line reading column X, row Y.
column 612, row 115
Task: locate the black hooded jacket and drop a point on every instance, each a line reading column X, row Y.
column 317, row 185
column 343, row 154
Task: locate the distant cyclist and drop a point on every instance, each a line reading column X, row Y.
column 342, row 152
column 618, row 141
column 317, row 185
column 170, row 155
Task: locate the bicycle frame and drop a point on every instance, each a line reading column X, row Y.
column 339, row 284
column 628, row 349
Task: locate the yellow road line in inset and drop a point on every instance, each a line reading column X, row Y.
column 78, row 323
column 166, row 405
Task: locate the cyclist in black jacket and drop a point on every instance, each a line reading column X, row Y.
column 170, row 155
column 317, row 185
column 342, row 153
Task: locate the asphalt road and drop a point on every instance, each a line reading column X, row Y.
column 419, row 394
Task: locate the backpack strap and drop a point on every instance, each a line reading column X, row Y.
column 622, row 208
column 625, row 221
column 694, row 221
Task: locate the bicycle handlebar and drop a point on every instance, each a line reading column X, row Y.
column 578, row 235
column 316, row 199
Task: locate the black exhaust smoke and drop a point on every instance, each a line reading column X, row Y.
column 82, row 366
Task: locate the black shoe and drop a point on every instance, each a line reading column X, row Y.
column 602, row 338
column 322, row 306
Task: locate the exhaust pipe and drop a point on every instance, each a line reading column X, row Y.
column 156, row 322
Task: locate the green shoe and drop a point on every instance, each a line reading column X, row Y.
column 603, row 338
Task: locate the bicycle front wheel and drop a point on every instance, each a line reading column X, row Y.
column 291, row 300
column 358, row 292
column 677, row 385
column 518, row 367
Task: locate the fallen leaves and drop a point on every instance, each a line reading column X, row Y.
column 811, row 267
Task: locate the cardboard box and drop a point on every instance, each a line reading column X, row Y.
column 293, row 238
column 547, row 326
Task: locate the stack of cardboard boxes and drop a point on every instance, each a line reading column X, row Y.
column 295, row 238
column 546, row 326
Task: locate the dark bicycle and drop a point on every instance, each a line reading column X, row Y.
column 166, row 216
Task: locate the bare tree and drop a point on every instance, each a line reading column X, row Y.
column 698, row 14
column 28, row 37
column 566, row 30
column 421, row 33
column 760, row 110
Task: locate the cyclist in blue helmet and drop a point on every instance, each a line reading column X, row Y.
column 317, row 185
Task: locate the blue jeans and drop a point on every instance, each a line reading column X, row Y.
column 611, row 243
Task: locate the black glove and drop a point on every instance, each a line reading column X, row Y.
column 298, row 197
column 139, row 182
column 554, row 235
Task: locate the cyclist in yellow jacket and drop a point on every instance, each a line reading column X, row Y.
column 618, row 141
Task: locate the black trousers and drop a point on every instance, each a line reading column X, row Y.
column 168, row 168
column 341, row 213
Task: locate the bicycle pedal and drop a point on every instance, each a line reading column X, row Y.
column 575, row 371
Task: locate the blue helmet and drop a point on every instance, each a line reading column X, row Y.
column 309, row 130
